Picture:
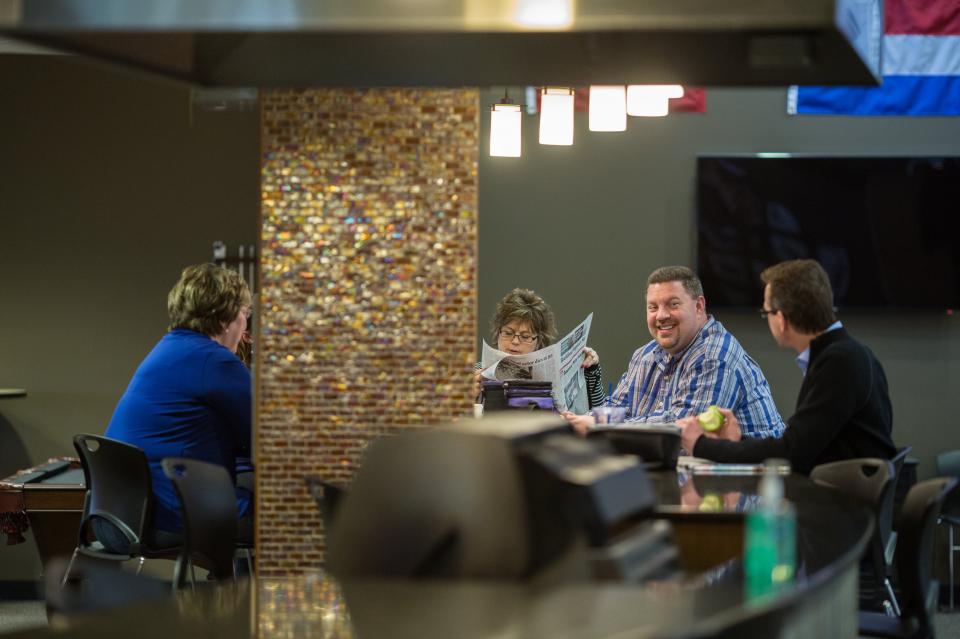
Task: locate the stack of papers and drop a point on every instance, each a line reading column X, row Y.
column 698, row 466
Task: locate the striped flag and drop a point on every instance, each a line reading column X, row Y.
column 920, row 64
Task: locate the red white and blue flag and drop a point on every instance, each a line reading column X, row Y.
column 920, row 63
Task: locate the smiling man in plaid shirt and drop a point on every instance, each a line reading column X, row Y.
column 692, row 363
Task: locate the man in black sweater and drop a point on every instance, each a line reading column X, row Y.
column 843, row 410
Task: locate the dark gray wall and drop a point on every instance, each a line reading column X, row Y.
column 585, row 225
column 108, row 187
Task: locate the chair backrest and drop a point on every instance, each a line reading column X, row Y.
column 209, row 507
column 906, row 478
column 899, row 458
column 918, row 522
column 871, row 481
column 868, row 479
column 948, row 464
column 890, row 504
column 118, row 485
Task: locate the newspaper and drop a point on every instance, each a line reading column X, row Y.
column 558, row 363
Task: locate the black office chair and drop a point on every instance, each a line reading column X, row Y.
column 872, row 482
column 119, row 499
column 900, row 489
column 209, row 506
column 948, row 465
column 918, row 590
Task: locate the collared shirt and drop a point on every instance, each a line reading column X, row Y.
column 713, row 370
column 803, row 359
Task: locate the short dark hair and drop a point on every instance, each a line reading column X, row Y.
column 800, row 289
column 681, row 274
column 207, row 298
column 525, row 305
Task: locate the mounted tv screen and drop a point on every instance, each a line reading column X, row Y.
column 886, row 229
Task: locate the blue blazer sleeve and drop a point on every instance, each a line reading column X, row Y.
column 227, row 389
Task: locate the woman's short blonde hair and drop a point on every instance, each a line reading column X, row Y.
column 206, row 299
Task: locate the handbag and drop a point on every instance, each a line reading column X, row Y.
column 517, row 394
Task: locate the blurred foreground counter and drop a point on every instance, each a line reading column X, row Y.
column 515, row 527
column 832, row 533
column 317, row 606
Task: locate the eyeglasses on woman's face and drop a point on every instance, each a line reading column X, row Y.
column 508, row 335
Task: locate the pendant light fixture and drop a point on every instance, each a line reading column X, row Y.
column 608, row 108
column 556, row 116
column 543, row 14
column 651, row 100
column 505, row 132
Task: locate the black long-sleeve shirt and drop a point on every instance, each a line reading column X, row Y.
column 843, row 412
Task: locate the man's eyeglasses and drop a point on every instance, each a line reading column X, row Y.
column 526, row 338
column 765, row 311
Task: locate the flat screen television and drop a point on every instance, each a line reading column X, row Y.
column 886, row 229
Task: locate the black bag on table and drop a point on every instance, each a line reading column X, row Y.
column 517, row 394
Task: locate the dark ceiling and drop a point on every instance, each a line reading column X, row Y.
column 259, row 43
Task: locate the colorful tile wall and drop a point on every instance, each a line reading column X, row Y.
column 368, row 288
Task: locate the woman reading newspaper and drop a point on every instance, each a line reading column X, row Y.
column 524, row 323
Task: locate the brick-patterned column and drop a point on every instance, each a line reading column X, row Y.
column 368, row 289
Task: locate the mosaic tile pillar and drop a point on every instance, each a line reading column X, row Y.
column 368, row 288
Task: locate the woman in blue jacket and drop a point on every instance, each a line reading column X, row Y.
column 191, row 396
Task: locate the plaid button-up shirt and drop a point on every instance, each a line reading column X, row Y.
column 713, row 370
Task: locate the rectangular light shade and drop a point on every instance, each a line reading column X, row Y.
column 651, row 100
column 505, row 130
column 608, row 108
column 556, row 116
column 548, row 14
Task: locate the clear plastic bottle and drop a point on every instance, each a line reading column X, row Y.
column 770, row 538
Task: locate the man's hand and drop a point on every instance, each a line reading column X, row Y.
column 693, row 429
column 580, row 423
column 590, row 357
column 731, row 427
